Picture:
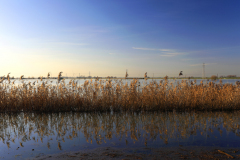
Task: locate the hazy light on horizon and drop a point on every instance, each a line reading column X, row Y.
column 105, row 39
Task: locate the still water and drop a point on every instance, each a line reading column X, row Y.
column 141, row 81
column 26, row 135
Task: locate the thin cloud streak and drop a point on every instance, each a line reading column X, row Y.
column 167, row 55
column 72, row 44
column 153, row 49
column 165, row 52
column 147, row 49
column 174, row 53
column 187, row 59
column 89, row 29
column 190, row 59
column 200, row 64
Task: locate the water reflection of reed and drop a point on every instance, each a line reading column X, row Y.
column 102, row 127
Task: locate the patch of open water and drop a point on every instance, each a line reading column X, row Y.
column 26, row 135
column 141, row 81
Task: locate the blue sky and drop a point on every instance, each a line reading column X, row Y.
column 106, row 37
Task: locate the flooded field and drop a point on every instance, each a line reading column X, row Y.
column 29, row 135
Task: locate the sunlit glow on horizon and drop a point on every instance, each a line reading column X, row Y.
column 108, row 38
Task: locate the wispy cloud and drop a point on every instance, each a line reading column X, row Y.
column 187, row 59
column 88, row 29
column 198, row 58
column 172, row 53
column 72, row 44
column 147, row 49
column 164, row 52
column 153, row 49
column 200, row 64
column 167, row 55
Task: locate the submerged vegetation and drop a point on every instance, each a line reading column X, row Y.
column 115, row 95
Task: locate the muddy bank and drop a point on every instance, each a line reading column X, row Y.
column 147, row 153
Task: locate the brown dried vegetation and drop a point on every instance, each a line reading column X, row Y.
column 107, row 95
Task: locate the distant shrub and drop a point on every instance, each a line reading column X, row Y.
column 165, row 78
column 214, row 77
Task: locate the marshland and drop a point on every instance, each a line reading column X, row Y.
column 52, row 116
column 46, row 95
column 119, row 79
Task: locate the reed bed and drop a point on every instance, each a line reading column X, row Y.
column 115, row 95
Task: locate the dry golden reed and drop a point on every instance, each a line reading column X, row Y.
column 107, row 95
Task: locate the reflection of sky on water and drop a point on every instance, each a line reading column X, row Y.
column 59, row 132
column 80, row 82
column 142, row 81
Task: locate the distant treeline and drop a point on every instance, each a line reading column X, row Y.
column 228, row 76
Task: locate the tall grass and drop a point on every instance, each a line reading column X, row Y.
column 107, row 95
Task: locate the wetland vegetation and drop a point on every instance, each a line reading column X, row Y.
column 117, row 95
column 49, row 116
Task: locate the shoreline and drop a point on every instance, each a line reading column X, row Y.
column 129, row 78
column 181, row 152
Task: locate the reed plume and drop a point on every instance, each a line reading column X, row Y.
column 8, row 75
column 59, row 76
column 126, row 75
column 48, row 75
column 180, row 73
column 145, row 76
